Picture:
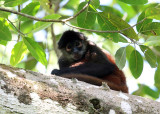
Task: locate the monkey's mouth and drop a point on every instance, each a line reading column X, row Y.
column 77, row 56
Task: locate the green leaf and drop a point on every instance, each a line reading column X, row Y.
column 3, row 42
column 5, row 34
column 30, row 9
column 26, row 26
column 153, row 13
column 136, row 63
column 109, row 9
column 106, row 25
column 42, row 25
column 157, row 76
column 36, row 50
column 120, row 57
column 139, row 27
column 140, row 91
column 121, row 24
column 143, row 16
column 87, row 18
column 12, row 3
column 129, row 50
column 47, row 5
column 145, row 90
column 128, row 9
column 156, row 49
column 18, row 53
column 150, row 92
column 149, row 55
column 153, row 41
column 4, row 14
column 72, row 4
column 152, row 29
column 135, row 2
column 95, row 3
column 122, row 39
column 31, row 62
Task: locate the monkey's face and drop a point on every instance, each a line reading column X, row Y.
column 75, row 50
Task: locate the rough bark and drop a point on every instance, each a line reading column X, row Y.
column 23, row 91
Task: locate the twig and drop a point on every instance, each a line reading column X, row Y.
column 54, row 41
column 91, row 30
column 16, row 28
column 57, row 6
column 134, row 25
column 119, row 31
column 52, row 31
column 19, row 24
column 30, row 17
column 72, row 17
column 45, row 20
column 68, row 19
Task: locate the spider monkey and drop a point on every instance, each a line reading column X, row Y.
column 83, row 60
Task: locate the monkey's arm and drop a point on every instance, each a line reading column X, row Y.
column 63, row 63
column 93, row 69
column 97, row 81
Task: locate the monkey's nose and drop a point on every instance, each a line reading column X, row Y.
column 75, row 51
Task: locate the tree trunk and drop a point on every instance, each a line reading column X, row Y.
column 24, row 91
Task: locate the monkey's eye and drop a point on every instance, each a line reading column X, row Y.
column 78, row 44
column 68, row 47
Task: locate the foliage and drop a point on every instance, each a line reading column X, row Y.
column 109, row 22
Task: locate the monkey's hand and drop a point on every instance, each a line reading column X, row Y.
column 55, row 72
column 91, row 56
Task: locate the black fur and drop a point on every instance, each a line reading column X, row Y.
column 69, row 36
column 96, row 63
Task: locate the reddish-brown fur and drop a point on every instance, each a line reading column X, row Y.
column 91, row 66
column 117, row 77
column 115, row 81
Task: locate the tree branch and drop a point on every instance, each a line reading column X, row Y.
column 41, row 93
column 45, row 20
column 61, row 21
column 29, row 16
column 68, row 19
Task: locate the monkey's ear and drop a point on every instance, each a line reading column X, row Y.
column 60, row 44
column 82, row 37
